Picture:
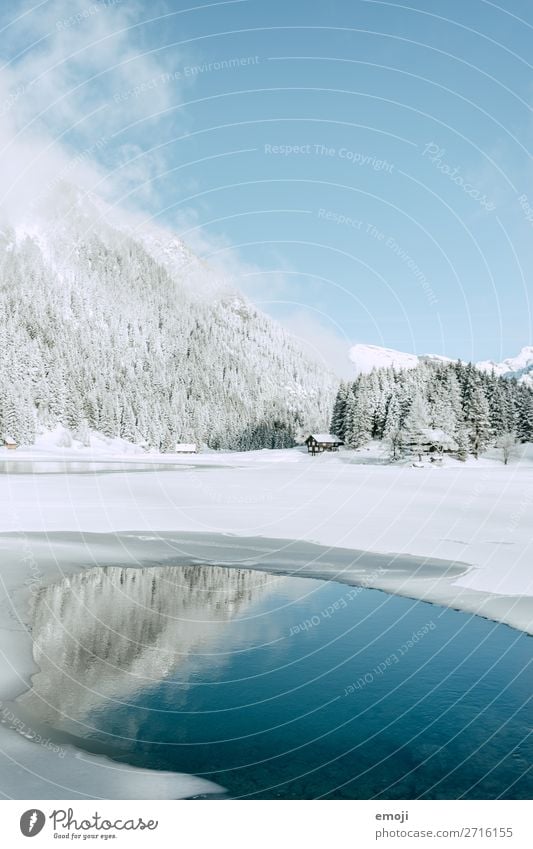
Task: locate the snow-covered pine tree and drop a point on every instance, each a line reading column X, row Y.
column 416, row 423
column 338, row 417
column 472, row 408
column 463, row 442
column 524, row 414
column 359, row 429
column 477, row 419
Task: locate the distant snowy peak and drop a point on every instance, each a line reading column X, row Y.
column 520, row 366
column 367, row 357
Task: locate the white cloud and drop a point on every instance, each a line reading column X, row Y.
column 321, row 339
column 80, row 99
column 69, row 88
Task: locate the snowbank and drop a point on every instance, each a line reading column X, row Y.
column 477, row 512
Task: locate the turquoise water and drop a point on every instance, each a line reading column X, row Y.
column 278, row 687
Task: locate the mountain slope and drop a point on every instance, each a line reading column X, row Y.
column 134, row 336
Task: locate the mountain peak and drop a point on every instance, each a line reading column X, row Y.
column 367, row 357
column 520, row 367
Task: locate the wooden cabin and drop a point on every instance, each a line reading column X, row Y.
column 317, row 443
column 186, row 448
column 10, row 443
column 431, row 442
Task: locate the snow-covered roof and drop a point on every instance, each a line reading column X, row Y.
column 9, row 439
column 185, row 446
column 326, row 437
column 438, row 437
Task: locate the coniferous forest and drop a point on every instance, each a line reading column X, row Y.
column 107, row 330
column 103, row 332
column 473, row 409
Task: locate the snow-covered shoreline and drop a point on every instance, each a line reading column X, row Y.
column 476, row 514
column 458, row 536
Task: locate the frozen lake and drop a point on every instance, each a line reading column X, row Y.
column 83, row 467
column 282, row 687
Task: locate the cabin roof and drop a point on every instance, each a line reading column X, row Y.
column 438, row 437
column 9, row 438
column 324, row 437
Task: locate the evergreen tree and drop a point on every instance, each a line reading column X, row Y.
column 525, row 415
column 463, row 442
column 359, row 429
column 415, row 424
column 478, row 422
column 338, row 418
column 471, row 408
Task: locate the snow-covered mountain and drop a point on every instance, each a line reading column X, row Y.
column 116, row 327
column 367, row 357
column 520, row 366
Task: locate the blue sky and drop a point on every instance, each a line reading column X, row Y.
column 365, row 165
